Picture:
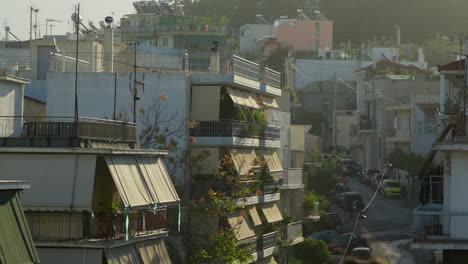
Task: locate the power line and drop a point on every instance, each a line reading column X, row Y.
column 364, row 210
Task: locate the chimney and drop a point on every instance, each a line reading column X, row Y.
column 108, row 45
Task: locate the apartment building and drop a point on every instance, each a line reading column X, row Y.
column 440, row 223
column 97, row 195
column 155, row 27
column 381, row 86
column 238, row 113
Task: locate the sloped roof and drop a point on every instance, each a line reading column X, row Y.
column 386, row 65
column 452, row 66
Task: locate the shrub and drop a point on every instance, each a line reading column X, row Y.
column 312, row 251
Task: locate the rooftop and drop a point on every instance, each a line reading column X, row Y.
column 390, row 66
column 458, row 65
column 14, row 185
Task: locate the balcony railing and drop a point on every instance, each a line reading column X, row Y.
column 293, row 232
column 51, row 226
column 234, row 190
column 246, row 68
column 272, row 77
column 66, row 127
column 228, row 128
column 267, row 241
column 439, row 226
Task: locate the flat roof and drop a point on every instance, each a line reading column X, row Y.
column 14, row 185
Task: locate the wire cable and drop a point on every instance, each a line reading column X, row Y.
column 363, row 210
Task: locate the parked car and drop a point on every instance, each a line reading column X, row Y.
column 338, row 243
column 335, row 221
column 367, row 175
column 341, row 188
column 345, row 200
column 360, row 255
column 326, row 236
column 348, row 167
column 390, row 188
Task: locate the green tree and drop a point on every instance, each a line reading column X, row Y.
column 323, row 180
column 312, row 251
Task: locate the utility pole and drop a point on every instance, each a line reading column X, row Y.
column 115, row 94
column 374, row 126
column 135, row 83
column 335, row 132
column 76, row 20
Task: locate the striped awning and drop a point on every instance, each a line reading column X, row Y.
column 271, row 212
column 242, row 226
column 242, row 98
column 272, row 160
column 269, row 101
column 243, row 160
column 254, row 215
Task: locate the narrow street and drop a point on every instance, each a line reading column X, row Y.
column 388, row 226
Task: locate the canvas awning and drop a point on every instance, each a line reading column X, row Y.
column 269, row 101
column 254, row 215
column 271, row 212
column 154, row 251
column 267, row 260
column 243, row 159
column 243, row 98
column 242, row 227
column 124, row 254
column 141, row 181
column 272, row 160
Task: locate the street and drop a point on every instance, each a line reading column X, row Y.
column 388, row 226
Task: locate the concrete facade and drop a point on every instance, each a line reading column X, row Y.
column 250, row 34
column 11, row 105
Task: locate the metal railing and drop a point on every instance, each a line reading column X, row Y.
column 176, row 28
column 234, row 190
column 272, row 77
column 439, row 226
column 246, row 68
column 293, row 232
column 63, row 226
column 230, row 128
column 68, row 127
column 267, row 241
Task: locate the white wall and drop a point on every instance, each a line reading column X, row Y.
column 247, row 40
column 11, row 104
column 96, row 97
column 51, row 178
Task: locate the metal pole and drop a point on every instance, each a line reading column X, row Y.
column 46, row 26
column 115, row 93
column 30, row 23
column 374, row 120
column 35, row 23
column 135, row 93
column 77, row 29
column 335, row 132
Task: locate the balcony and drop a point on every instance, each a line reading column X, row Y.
column 292, row 234
column 56, row 226
column 239, row 190
column 45, row 131
column 230, row 132
column 267, row 241
column 438, row 229
column 400, row 135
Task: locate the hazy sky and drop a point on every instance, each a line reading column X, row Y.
column 16, row 13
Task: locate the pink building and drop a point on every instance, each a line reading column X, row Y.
column 304, row 35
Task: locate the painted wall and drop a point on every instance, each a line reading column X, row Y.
column 421, row 139
column 11, row 104
column 304, row 35
column 34, row 108
column 96, row 98
column 249, row 33
column 297, row 137
column 51, row 178
column 205, row 103
column 344, row 125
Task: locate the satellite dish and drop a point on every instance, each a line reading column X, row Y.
column 75, row 18
column 109, row 19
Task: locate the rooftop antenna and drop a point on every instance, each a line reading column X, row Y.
column 47, row 25
column 35, row 22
